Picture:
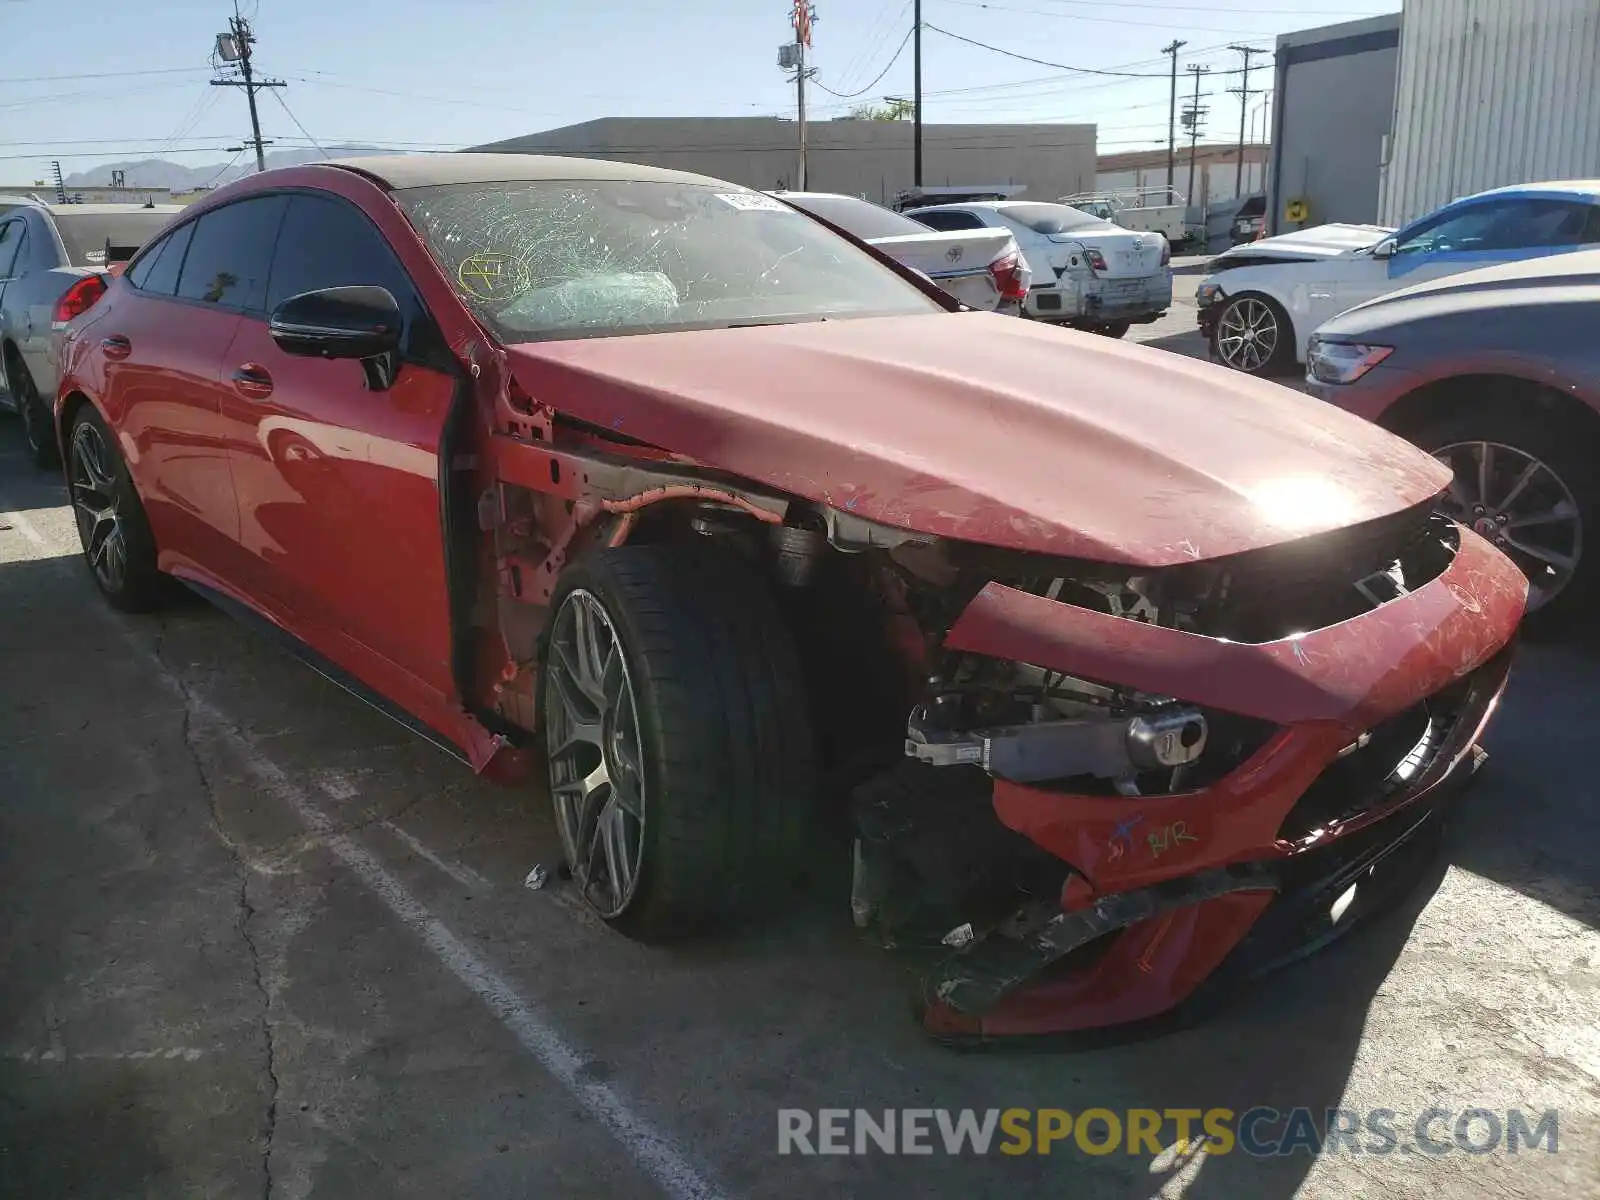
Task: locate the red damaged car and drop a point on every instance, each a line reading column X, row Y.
column 1125, row 674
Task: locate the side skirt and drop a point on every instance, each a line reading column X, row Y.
column 328, row 670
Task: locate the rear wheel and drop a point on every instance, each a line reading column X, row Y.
column 1534, row 491
column 1112, row 329
column 1254, row 335
column 117, row 543
column 676, row 730
column 36, row 429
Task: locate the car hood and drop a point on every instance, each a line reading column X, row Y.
column 1310, row 245
column 994, row 430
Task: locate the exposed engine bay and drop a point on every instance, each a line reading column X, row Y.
column 913, row 735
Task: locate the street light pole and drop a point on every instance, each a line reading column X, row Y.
column 916, row 93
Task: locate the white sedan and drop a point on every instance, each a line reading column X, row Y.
column 982, row 268
column 1087, row 272
column 1263, row 300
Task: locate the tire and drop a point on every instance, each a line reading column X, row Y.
column 1570, row 477
column 1252, row 355
column 37, row 428
column 720, row 773
column 1116, row 329
column 112, row 526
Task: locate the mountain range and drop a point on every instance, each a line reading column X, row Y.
column 158, row 172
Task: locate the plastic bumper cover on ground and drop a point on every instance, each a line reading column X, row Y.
column 1168, row 889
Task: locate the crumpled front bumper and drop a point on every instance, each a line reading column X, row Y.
column 1167, row 888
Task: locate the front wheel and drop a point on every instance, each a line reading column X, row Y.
column 1254, row 335
column 677, row 738
column 1534, row 491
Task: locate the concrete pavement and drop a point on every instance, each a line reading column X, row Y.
column 257, row 940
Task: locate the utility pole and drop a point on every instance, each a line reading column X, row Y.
column 1244, row 93
column 792, row 56
column 1192, row 118
column 1172, row 109
column 916, row 85
column 234, row 46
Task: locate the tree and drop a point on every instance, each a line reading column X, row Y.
column 893, row 109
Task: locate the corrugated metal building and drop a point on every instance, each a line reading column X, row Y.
column 1492, row 92
column 871, row 159
column 1333, row 102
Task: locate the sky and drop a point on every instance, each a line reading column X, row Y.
column 124, row 81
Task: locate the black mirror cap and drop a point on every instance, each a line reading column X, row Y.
column 341, row 322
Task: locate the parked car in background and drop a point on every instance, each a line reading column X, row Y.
column 655, row 483
column 1143, row 210
column 982, row 268
column 1249, row 221
column 1261, row 302
column 1497, row 373
column 53, row 264
column 1087, row 272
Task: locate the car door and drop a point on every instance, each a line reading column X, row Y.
column 163, row 341
column 12, row 233
column 337, row 484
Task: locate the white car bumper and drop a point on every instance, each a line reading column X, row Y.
column 1070, row 299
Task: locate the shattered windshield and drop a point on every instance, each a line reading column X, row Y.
column 550, row 259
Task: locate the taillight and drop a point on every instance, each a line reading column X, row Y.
column 1096, row 260
column 1166, row 253
column 78, row 299
column 1008, row 281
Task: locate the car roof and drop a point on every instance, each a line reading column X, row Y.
column 401, row 171
column 1588, row 188
column 68, row 210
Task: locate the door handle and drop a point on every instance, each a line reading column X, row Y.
column 116, row 346
column 252, row 380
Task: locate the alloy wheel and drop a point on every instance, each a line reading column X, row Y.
column 595, row 754
column 95, row 504
column 1247, row 335
column 1519, row 503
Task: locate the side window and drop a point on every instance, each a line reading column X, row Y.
column 10, row 239
column 1591, row 225
column 157, row 271
column 327, row 242
column 230, row 252
column 1461, row 230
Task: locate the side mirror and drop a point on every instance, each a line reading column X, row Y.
column 340, row 322
column 1384, row 249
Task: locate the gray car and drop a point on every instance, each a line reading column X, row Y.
column 46, row 250
column 1497, row 373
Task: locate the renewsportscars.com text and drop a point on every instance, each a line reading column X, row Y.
column 1261, row 1132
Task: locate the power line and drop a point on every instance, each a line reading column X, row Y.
column 1286, row 12
column 1039, row 12
column 867, row 50
column 1039, row 61
column 283, row 104
column 901, row 49
column 102, row 75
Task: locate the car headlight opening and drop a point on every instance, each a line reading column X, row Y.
column 1342, row 362
column 1207, row 294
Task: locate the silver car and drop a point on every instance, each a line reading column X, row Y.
column 52, row 260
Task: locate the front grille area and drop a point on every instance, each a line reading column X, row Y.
column 1393, row 756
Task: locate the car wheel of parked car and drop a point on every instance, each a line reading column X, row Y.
column 676, row 730
column 34, row 413
column 1114, row 329
column 1254, row 335
column 116, row 537
column 1533, row 491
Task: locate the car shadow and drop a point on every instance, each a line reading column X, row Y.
column 1533, row 821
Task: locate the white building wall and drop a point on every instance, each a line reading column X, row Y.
column 1492, row 92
